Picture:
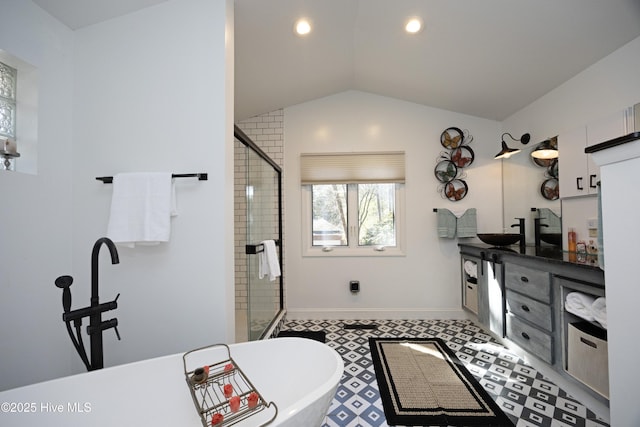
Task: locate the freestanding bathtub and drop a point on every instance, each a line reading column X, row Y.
column 299, row 375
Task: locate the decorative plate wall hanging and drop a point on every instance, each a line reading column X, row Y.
column 450, row 164
column 451, row 138
column 445, row 171
column 455, row 190
column 550, row 188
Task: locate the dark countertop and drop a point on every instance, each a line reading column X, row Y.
column 550, row 254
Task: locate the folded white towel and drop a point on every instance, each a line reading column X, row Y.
column 471, row 268
column 141, row 208
column 599, row 309
column 268, row 264
column 580, row 305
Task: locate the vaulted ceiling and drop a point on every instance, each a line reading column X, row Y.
column 487, row 58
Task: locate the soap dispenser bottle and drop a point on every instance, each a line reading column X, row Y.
column 571, row 246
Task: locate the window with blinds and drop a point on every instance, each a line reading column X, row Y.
column 352, row 203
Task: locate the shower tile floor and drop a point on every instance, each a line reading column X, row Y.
column 523, row 393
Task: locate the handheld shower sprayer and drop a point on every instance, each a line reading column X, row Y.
column 64, row 282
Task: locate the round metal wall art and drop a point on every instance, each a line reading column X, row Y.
column 455, row 190
column 445, row 171
column 550, row 189
column 462, row 156
column 452, row 138
column 450, row 164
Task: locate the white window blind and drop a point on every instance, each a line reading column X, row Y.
column 352, row 168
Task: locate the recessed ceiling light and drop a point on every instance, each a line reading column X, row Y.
column 413, row 25
column 302, row 27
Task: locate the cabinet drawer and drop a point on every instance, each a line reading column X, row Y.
column 530, row 310
column 530, row 338
column 471, row 296
column 531, row 282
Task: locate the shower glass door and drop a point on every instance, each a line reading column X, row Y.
column 257, row 218
column 262, row 224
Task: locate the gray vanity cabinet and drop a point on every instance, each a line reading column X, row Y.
column 521, row 297
column 529, row 319
column 483, row 295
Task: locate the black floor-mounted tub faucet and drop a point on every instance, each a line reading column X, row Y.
column 94, row 311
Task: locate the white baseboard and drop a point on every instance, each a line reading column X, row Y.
column 374, row 314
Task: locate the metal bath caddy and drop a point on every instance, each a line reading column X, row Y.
column 208, row 391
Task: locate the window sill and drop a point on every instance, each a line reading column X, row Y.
column 321, row 252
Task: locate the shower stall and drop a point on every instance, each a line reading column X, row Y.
column 258, row 217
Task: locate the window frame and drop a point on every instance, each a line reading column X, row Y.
column 353, row 249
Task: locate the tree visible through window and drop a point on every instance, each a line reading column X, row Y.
column 360, row 213
column 376, row 215
column 330, row 215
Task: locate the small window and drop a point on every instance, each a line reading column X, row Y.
column 376, row 215
column 18, row 114
column 8, row 84
column 352, row 203
column 330, row 215
column 353, row 219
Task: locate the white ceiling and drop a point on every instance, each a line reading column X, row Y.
column 485, row 58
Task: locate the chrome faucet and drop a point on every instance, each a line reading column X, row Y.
column 94, row 311
column 523, row 240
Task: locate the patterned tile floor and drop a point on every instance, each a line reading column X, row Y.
column 524, row 394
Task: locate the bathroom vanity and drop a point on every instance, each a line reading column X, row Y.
column 519, row 295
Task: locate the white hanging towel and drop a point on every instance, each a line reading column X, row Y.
column 268, row 264
column 141, row 208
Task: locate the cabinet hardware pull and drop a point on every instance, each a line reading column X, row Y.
column 469, row 287
column 589, row 343
column 524, row 279
column 525, row 335
column 591, row 183
column 525, row 308
column 579, row 183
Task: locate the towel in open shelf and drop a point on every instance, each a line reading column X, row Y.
column 580, row 304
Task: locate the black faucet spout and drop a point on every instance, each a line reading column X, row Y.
column 521, row 231
column 95, row 323
column 94, row 264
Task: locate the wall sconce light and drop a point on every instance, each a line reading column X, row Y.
column 7, row 155
column 546, row 150
column 507, row 152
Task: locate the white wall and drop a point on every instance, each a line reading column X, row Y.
column 36, row 231
column 150, row 91
column 426, row 282
column 151, row 94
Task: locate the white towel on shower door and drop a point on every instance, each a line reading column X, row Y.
column 268, row 264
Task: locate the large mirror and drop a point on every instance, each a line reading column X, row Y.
column 530, row 190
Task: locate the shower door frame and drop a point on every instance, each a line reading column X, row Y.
column 247, row 142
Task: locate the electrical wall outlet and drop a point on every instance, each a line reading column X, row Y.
column 592, row 226
column 354, row 286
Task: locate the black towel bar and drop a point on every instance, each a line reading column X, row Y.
column 201, row 177
column 256, row 249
